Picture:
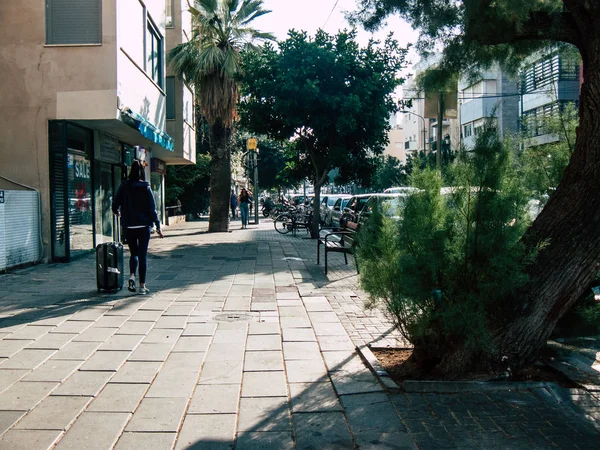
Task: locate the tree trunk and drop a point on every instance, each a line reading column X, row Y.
column 568, row 231
column 220, row 178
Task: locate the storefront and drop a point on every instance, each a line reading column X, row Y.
column 158, row 169
column 86, row 169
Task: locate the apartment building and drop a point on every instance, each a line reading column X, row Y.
column 85, row 92
column 495, row 95
column 395, row 146
column 548, row 82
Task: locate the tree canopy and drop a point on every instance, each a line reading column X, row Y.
column 327, row 95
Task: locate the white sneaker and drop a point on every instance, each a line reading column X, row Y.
column 143, row 290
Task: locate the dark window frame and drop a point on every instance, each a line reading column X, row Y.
column 154, row 66
column 50, row 33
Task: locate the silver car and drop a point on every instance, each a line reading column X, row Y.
column 337, row 210
column 326, row 207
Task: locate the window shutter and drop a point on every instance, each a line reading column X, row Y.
column 73, row 22
column 170, row 98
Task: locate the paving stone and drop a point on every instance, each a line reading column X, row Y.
column 264, row 328
column 233, row 338
column 171, row 322
column 95, row 334
column 321, row 431
column 151, row 352
column 323, row 317
column 306, row 371
column 371, row 412
column 166, row 336
column 313, row 397
column 298, row 335
column 78, row 351
column 337, row 360
column 288, row 303
column 225, row 352
column 264, row 414
column 121, row 342
column 272, row 440
column 263, row 306
column 111, row 321
column 158, row 415
column 178, row 376
column 221, row 372
column 206, row 305
column 8, row 419
column 94, row 431
column 10, row 348
column 335, row 343
column 293, row 311
column 27, row 359
column 54, row 413
column 105, row 361
column 29, row 332
column 53, row 370
column 295, row 322
column 23, row 396
column 215, row 399
column 72, row 326
column 263, row 361
column 10, row 376
column 263, row 342
column 145, row 316
column 29, row 439
column 264, row 384
column 52, row 341
column 192, row 344
column 136, row 372
column 83, row 383
column 179, row 310
column 131, row 327
column 301, row 351
column 146, row 441
column 90, row 313
column 329, row 329
column 119, row 397
column 207, row 432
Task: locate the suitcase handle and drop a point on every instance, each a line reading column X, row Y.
column 116, row 228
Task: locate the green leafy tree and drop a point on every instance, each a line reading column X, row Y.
column 210, row 61
column 327, row 95
column 189, row 185
column 388, row 172
column 475, row 33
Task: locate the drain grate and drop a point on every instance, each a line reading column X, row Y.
column 234, row 317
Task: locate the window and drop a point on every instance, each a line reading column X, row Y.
column 170, row 86
column 154, row 51
column 73, row 22
column 169, row 13
column 468, row 130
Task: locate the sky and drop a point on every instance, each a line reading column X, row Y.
column 310, row 15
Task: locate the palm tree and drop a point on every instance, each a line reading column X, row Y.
column 210, row 61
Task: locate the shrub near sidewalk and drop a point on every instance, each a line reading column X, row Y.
column 446, row 271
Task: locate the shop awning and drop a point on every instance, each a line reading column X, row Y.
column 146, row 129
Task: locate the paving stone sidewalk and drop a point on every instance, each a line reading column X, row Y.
column 243, row 343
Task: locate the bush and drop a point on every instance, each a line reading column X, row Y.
column 446, row 272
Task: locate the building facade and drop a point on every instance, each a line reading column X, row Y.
column 493, row 95
column 85, row 93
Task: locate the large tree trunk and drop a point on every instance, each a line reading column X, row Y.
column 568, row 232
column 220, row 178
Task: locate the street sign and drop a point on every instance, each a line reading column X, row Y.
column 251, row 143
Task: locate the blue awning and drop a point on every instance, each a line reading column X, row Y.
column 146, row 129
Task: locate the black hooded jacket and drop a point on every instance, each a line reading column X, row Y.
column 135, row 201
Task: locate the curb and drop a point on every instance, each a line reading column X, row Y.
column 443, row 387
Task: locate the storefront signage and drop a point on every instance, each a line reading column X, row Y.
column 1, row 196
column 140, row 154
column 158, row 166
column 108, row 149
column 82, row 167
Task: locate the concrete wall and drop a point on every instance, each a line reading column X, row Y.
column 395, row 147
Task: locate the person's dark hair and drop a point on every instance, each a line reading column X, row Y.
column 137, row 172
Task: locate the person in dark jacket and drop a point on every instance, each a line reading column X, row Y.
column 244, row 202
column 135, row 204
column 233, row 203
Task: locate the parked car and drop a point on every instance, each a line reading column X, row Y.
column 337, row 210
column 326, row 208
column 400, row 190
column 390, row 205
column 349, row 218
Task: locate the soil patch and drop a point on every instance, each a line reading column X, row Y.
column 400, row 368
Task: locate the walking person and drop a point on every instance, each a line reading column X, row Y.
column 233, row 203
column 135, row 204
column 244, row 202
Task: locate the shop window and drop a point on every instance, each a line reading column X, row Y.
column 72, row 22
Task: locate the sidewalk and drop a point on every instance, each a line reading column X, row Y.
column 243, row 343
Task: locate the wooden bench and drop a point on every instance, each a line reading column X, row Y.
column 336, row 240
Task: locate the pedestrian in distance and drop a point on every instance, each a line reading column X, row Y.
column 233, row 203
column 135, row 204
column 244, row 203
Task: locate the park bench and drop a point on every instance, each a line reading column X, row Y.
column 336, row 240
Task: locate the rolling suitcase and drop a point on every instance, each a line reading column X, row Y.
column 109, row 262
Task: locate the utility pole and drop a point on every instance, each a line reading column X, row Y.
column 255, row 157
column 440, row 120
